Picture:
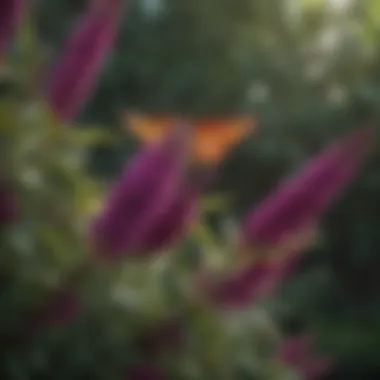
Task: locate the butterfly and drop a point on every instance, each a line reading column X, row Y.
column 212, row 138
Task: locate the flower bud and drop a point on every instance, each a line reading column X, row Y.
column 146, row 193
column 83, row 59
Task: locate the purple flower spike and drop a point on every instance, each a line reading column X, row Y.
column 174, row 223
column 83, row 59
column 297, row 353
column 143, row 195
column 301, row 200
column 10, row 15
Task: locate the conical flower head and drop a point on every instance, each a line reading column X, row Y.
column 176, row 220
column 83, row 59
column 144, row 194
column 302, row 199
column 10, row 15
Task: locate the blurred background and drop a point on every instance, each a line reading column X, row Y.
column 307, row 70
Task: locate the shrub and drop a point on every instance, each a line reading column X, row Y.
column 128, row 289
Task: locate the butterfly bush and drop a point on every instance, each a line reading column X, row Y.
column 128, row 290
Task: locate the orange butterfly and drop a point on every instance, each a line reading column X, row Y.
column 213, row 137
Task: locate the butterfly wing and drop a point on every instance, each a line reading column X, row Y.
column 149, row 129
column 213, row 138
